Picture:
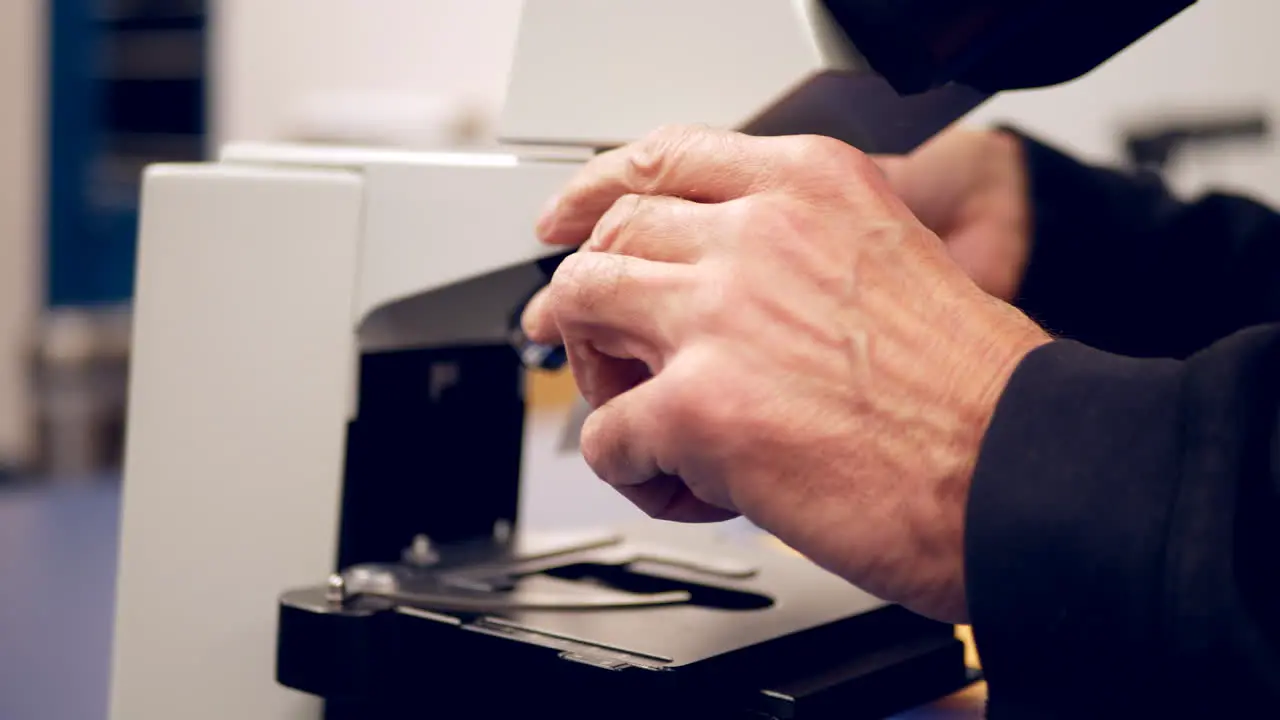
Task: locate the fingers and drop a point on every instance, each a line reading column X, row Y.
column 890, row 165
column 704, row 166
column 660, row 228
column 622, row 443
column 666, row 497
column 628, row 304
column 538, row 321
column 697, row 164
column 601, row 377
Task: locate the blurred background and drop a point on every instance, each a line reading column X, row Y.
column 91, row 91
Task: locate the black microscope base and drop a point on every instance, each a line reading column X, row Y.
column 389, row 665
column 815, row 649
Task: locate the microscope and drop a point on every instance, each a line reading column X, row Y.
column 323, row 462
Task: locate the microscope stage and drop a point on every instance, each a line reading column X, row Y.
column 678, row 620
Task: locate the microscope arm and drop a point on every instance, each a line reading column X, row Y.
column 271, row 286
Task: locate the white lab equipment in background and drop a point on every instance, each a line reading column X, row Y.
column 1248, row 163
column 1250, row 170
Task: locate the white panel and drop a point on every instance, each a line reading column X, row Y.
column 241, row 375
column 431, row 226
column 448, row 237
column 605, row 73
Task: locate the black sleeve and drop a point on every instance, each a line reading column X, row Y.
column 1120, row 264
column 1122, row 533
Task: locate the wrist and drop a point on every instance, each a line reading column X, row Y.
column 1022, row 337
column 992, row 370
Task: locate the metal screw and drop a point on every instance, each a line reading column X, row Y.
column 336, row 591
column 420, row 552
column 536, row 356
column 502, row 530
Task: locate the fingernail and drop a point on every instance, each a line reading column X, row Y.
column 533, row 308
column 546, row 220
column 536, row 322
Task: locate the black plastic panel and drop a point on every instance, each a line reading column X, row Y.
column 994, row 45
column 821, row 649
column 375, row 663
column 435, row 450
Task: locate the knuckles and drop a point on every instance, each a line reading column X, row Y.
column 613, row 224
column 829, row 161
column 648, row 162
column 585, row 279
column 775, row 224
column 723, row 295
column 834, row 159
column 698, row 401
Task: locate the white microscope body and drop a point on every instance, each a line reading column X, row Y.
column 264, row 276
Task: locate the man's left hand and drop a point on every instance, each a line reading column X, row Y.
column 763, row 328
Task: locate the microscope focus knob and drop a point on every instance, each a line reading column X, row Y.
column 536, row 356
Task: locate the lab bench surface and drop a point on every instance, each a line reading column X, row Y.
column 57, row 587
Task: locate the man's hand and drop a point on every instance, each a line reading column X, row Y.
column 764, row 328
column 970, row 187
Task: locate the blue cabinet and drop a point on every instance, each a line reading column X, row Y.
column 127, row 88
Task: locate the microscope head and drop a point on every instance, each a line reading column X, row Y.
column 881, row 75
column 763, row 66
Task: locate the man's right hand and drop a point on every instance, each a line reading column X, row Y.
column 970, row 188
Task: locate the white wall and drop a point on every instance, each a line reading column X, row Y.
column 21, row 48
column 277, row 56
